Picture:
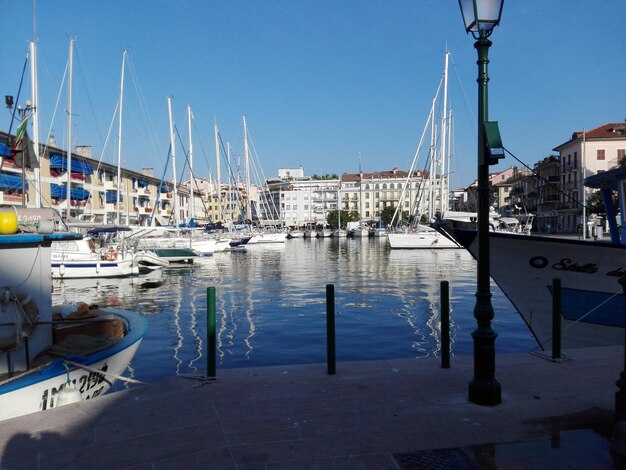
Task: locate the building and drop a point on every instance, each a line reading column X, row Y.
column 586, row 153
column 94, row 194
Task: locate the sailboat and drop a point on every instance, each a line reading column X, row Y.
column 264, row 236
column 339, row 232
column 419, row 235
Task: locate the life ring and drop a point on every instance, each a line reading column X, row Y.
column 110, row 254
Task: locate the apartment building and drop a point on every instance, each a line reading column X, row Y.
column 94, row 194
column 586, row 153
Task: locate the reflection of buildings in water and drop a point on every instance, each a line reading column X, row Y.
column 238, row 274
column 426, row 269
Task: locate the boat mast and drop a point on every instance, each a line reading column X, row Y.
column 68, row 195
column 192, row 180
column 432, row 167
column 247, row 171
column 442, row 180
column 119, row 142
column 173, row 152
column 35, row 117
column 229, row 193
column 218, row 174
column 584, row 165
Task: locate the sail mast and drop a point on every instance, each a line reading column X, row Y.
column 191, row 178
column 119, row 142
column 35, row 116
column 173, row 152
column 247, row 171
column 218, row 174
column 68, row 195
column 443, row 197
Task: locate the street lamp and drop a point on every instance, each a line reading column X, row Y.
column 480, row 17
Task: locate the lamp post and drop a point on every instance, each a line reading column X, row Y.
column 480, row 17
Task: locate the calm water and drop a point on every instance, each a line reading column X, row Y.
column 271, row 306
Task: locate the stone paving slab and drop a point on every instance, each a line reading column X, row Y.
column 373, row 415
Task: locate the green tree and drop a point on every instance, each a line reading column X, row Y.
column 332, row 219
column 595, row 203
column 387, row 214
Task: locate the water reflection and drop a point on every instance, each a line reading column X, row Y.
column 271, row 305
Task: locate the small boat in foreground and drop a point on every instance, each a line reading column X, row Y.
column 48, row 360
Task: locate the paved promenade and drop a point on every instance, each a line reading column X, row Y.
column 396, row 414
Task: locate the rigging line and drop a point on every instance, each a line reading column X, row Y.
column 471, row 114
column 550, row 183
column 17, row 100
column 578, row 320
column 231, row 177
column 193, row 176
column 156, row 147
column 89, row 100
column 56, row 107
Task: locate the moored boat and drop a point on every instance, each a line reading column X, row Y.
column 591, row 274
column 48, row 360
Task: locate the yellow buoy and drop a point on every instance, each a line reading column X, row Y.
column 8, row 223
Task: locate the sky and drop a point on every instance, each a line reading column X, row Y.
column 329, row 85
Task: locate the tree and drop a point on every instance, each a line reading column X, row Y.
column 595, row 203
column 387, row 214
column 332, row 219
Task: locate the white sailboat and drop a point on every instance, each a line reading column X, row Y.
column 419, row 235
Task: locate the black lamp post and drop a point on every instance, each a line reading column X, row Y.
column 480, row 17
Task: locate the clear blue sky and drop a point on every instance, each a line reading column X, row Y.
column 318, row 81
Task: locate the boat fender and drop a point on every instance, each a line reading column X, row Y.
column 68, row 394
column 8, row 223
column 62, row 270
column 110, row 254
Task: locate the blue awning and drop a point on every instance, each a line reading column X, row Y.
column 13, row 182
column 60, row 162
column 5, row 150
column 111, row 196
column 77, row 194
column 142, row 183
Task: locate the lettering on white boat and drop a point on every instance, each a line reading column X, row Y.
column 89, row 384
column 567, row 264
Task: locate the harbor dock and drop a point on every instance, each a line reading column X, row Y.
column 386, row 414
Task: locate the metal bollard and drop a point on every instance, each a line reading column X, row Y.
column 330, row 328
column 211, row 342
column 445, row 325
column 556, row 319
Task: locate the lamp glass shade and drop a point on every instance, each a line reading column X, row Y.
column 481, row 15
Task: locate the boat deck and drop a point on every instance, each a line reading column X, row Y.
column 393, row 414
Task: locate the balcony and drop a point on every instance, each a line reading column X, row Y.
column 109, row 185
column 143, row 192
column 145, row 210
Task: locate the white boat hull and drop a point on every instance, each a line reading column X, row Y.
column 279, row 237
column 592, row 302
column 421, row 239
column 39, row 390
column 80, row 269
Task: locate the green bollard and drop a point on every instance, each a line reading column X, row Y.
column 211, row 343
column 330, row 328
column 445, row 325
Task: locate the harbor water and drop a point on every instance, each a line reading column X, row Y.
column 271, row 306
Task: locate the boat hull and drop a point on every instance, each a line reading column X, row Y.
column 430, row 240
column 39, row 390
column 592, row 301
column 79, row 269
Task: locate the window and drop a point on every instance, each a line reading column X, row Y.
column 575, row 159
column 621, row 153
column 600, row 154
